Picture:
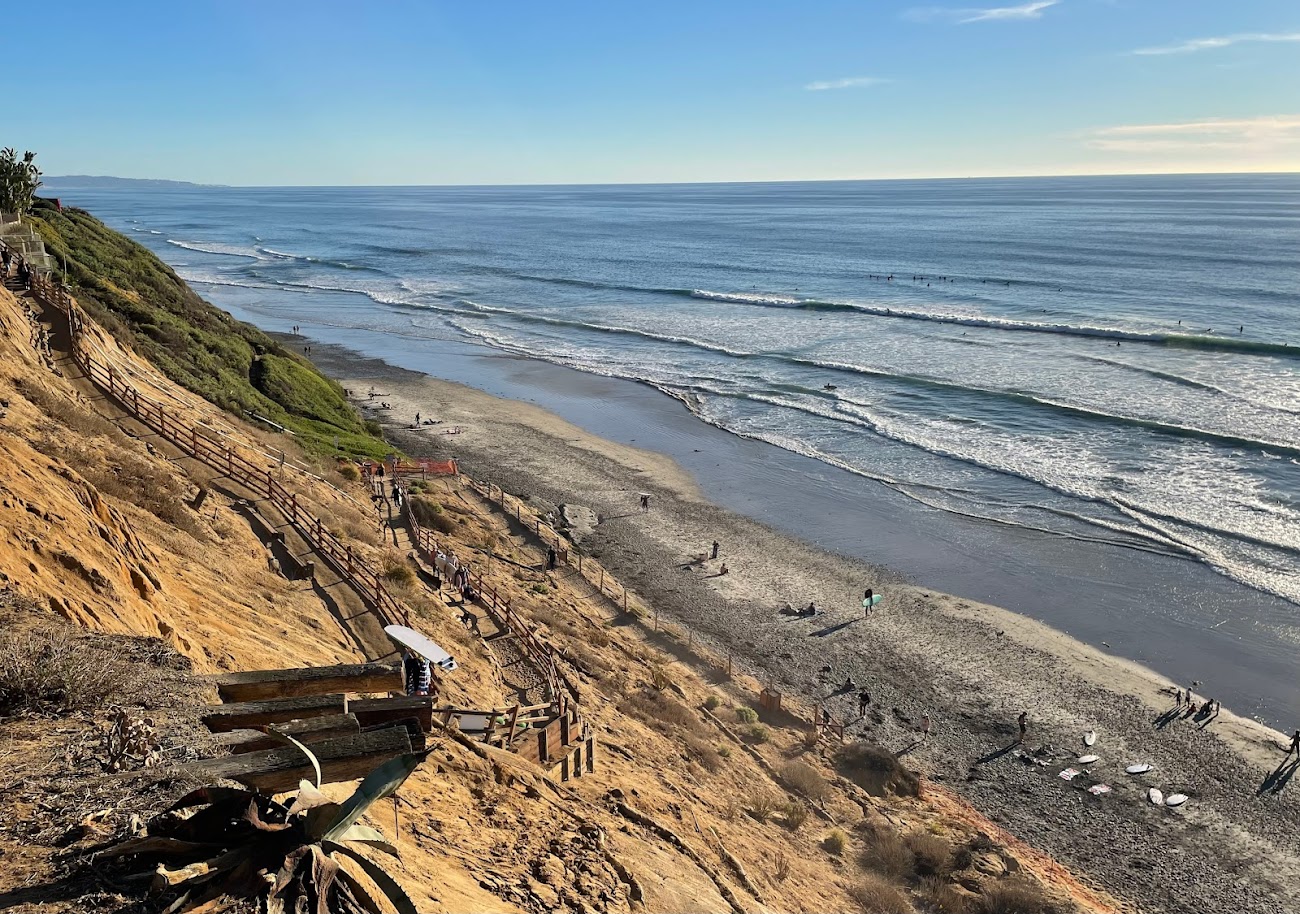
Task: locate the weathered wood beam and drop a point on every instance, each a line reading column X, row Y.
column 260, row 685
column 311, row 730
column 274, row 770
column 260, row 713
column 373, row 711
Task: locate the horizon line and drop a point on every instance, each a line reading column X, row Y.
column 699, row 183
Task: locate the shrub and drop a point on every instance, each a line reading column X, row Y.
column 933, row 854
column 724, row 751
column 703, row 753
column 885, row 854
column 44, row 674
column 712, row 702
column 540, row 589
column 876, row 896
column 758, row 733
column 763, row 805
column 782, row 869
column 1014, row 896
column 876, row 770
column 662, row 711
column 834, row 842
column 430, row 514
column 795, row 815
column 349, row 472
column 805, row 779
column 941, row 896
column 747, row 715
column 397, row 570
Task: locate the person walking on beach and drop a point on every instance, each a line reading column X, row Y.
column 867, row 602
column 1023, row 722
column 1295, row 747
column 645, row 503
column 716, row 547
column 925, row 728
column 1178, row 699
column 551, row 557
column 864, row 699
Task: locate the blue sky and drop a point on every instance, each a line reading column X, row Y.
column 526, row 92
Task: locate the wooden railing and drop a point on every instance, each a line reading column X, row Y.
column 222, row 457
column 537, row 651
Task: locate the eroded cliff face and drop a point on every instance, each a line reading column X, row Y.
column 99, row 526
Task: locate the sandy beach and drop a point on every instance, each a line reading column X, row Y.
column 970, row 667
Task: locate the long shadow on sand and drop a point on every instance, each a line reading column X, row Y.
column 995, row 754
column 1281, row 776
column 832, row 629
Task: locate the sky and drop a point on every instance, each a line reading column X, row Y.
column 402, row 93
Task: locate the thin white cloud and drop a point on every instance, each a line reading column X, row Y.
column 1252, row 135
column 849, row 82
column 1031, row 10
column 1223, row 41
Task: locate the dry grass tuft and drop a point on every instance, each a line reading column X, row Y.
column 933, row 854
column 876, row 896
column 941, row 896
column 1015, row 896
column 805, row 779
column 45, row 672
column 835, row 842
column 877, row 771
column 885, row 854
column 662, row 711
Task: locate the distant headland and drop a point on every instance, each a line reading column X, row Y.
column 56, row 182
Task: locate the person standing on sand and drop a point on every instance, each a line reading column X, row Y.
column 1295, row 747
column 645, row 503
column 551, row 557
column 716, row 547
column 866, row 602
column 864, row 699
column 1178, row 699
column 1023, row 722
column 925, row 728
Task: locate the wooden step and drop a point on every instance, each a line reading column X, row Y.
column 259, row 685
column 372, row 712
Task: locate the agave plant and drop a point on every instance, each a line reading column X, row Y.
column 219, row 847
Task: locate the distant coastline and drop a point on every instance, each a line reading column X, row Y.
column 109, row 182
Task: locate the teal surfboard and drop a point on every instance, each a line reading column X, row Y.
column 875, row 598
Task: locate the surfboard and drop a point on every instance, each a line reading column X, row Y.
column 1176, row 799
column 1138, row 769
column 410, row 638
column 875, row 598
column 1088, row 759
column 1156, row 797
column 1090, row 738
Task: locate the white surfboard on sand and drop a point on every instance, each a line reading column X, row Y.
column 1090, row 738
column 1088, row 759
column 1139, row 769
column 410, row 638
column 1156, row 797
column 1176, row 799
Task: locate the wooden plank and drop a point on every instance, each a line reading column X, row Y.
column 311, row 730
column 274, row 770
column 260, row 713
column 261, row 685
column 373, row 711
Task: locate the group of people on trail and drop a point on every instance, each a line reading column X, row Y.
column 24, row 272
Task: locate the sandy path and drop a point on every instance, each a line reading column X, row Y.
column 969, row 666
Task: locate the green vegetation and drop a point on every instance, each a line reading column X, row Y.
column 19, row 179
column 142, row 302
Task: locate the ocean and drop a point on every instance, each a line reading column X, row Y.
column 1114, row 360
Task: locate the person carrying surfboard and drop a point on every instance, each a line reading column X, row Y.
column 868, row 601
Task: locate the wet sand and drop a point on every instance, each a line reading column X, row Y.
column 970, row 666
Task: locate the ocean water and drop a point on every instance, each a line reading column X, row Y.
column 1113, row 360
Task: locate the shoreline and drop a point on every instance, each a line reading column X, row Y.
column 970, row 666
